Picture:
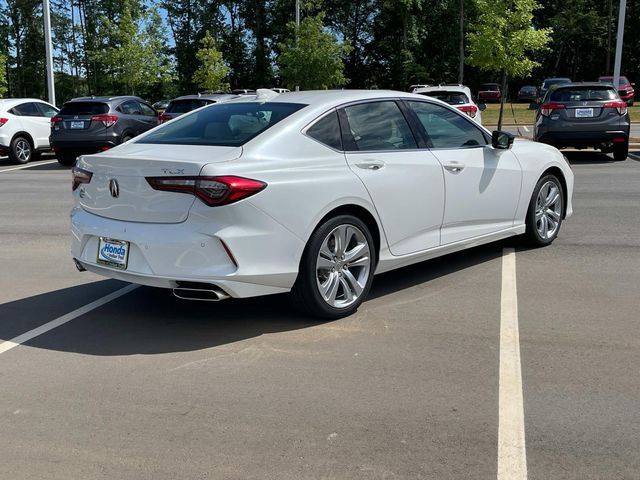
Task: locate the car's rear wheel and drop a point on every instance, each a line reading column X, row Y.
column 546, row 209
column 621, row 151
column 21, row 150
column 66, row 159
column 337, row 268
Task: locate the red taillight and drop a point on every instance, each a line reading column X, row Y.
column 3, row 121
column 214, row 191
column 163, row 118
column 107, row 120
column 470, row 110
column 105, row 148
column 619, row 105
column 547, row 108
column 79, row 176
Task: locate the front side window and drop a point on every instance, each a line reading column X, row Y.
column 147, row 110
column 327, row 131
column 446, row 128
column 379, row 126
column 47, row 110
column 223, row 124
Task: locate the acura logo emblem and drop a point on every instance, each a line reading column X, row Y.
column 114, row 188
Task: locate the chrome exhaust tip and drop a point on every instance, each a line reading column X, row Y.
column 201, row 292
column 79, row 266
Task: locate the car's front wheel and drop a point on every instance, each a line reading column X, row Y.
column 337, row 268
column 546, row 209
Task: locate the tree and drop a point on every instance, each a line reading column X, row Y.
column 3, row 75
column 503, row 38
column 312, row 57
column 212, row 72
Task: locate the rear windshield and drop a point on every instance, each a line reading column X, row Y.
column 490, row 87
column 583, row 94
column 184, row 106
column 623, row 80
column 222, row 124
column 84, row 108
column 452, row 98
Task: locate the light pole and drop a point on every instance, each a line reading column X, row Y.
column 297, row 29
column 620, row 34
column 51, row 87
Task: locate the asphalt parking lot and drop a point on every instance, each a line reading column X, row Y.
column 146, row 386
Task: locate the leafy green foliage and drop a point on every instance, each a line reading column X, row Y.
column 312, row 57
column 212, row 72
column 3, row 75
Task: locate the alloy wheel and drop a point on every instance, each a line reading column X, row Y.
column 23, row 150
column 548, row 210
column 343, row 266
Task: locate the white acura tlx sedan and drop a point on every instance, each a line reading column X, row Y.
column 309, row 192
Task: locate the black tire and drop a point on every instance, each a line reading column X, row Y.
column 533, row 237
column 621, row 151
column 306, row 294
column 126, row 138
column 66, row 159
column 21, row 150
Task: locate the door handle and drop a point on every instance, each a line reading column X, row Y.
column 371, row 165
column 454, row 167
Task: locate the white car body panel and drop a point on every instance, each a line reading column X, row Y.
column 306, row 181
column 38, row 128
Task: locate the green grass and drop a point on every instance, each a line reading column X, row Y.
column 519, row 114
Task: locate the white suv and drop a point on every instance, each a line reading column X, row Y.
column 457, row 96
column 25, row 126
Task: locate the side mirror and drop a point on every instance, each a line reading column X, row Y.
column 501, row 140
column 534, row 106
column 482, row 107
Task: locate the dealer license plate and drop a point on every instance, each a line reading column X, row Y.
column 584, row 112
column 77, row 125
column 113, row 253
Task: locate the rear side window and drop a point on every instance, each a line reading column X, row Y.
column 27, row 110
column 84, row 108
column 327, row 131
column 184, row 106
column 583, row 94
column 130, row 107
column 379, row 126
column 223, row 124
column 452, row 98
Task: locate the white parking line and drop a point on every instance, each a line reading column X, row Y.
column 28, row 165
column 512, row 455
column 25, row 337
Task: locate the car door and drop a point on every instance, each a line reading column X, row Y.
column 405, row 182
column 132, row 112
column 34, row 123
column 482, row 184
column 149, row 116
column 47, row 112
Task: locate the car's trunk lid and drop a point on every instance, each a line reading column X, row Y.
column 119, row 188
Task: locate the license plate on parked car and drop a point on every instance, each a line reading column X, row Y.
column 77, row 125
column 113, row 253
column 584, row 112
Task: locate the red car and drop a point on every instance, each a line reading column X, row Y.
column 625, row 88
column 489, row 92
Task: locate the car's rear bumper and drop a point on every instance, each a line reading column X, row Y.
column 582, row 139
column 246, row 253
column 83, row 146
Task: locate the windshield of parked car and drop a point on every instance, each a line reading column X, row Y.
column 84, row 108
column 489, row 87
column 583, row 94
column 222, row 124
column 623, row 80
column 184, row 106
column 452, row 98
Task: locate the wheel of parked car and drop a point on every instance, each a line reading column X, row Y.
column 66, row 159
column 546, row 208
column 21, row 150
column 337, row 268
column 621, row 151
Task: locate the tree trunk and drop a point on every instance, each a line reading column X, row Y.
column 502, row 99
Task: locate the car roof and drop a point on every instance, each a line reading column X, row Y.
column 556, row 78
column 584, row 84
column 106, row 98
column 11, row 102
column 209, row 96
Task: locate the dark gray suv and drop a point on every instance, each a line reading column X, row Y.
column 583, row 115
column 94, row 124
column 187, row 103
